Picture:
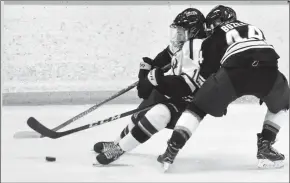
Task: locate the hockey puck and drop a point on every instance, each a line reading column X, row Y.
column 50, row 159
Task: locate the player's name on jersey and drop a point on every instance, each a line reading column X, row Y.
column 231, row 26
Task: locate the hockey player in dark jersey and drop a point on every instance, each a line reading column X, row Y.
column 243, row 63
column 188, row 25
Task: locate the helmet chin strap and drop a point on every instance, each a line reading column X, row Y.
column 189, row 35
column 210, row 30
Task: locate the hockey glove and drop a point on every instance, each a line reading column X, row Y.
column 146, row 85
column 145, row 67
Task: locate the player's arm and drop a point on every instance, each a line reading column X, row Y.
column 162, row 59
column 213, row 49
column 147, row 64
column 182, row 83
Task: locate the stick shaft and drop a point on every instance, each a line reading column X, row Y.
column 95, row 107
column 40, row 128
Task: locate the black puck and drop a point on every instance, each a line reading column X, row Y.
column 49, row 158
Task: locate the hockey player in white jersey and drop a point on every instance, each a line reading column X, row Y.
column 188, row 24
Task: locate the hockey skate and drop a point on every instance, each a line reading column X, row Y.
column 167, row 158
column 268, row 157
column 101, row 147
column 112, row 154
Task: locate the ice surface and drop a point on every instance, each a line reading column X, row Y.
column 222, row 149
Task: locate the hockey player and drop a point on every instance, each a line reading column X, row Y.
column 177, row 40
column 244, row 64
column 188, row 24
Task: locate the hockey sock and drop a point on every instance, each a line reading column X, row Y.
column 179, row 138
column 272, row 124
column 127, row 129
column 186, row 125
column 137, row 136
column 128, row 142
column 155, row 120
column 269, row 133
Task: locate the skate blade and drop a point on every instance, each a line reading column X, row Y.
column 111, row 165
column 267, row 164
column 166, row 167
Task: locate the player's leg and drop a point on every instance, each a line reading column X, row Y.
column 213, row 98
column 277, row 101
column 159, row 117
column 268, row 84
column 154, row 97
column 165, row 86
column 103, row 146
column 154, row 120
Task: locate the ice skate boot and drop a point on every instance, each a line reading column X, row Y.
column 112, row 154
column 167, row 158
column 268, row 157
column 101, row 147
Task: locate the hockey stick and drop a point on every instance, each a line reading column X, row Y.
column 44, row 131
column 27, row 134
column 31, row 134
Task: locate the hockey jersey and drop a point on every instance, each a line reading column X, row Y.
column 235, row 44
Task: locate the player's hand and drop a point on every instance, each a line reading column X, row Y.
column 145, row 67
column 154, row 76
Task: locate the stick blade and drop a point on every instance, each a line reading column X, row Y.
column 38, row 127
column 27, row 135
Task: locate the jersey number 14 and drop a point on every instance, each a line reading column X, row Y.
column 253, row 32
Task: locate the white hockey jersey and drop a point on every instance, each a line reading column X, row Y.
column 186, row 63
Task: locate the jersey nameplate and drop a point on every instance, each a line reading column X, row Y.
column 231, row 26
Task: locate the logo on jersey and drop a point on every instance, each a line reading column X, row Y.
column 136, row 115
column 174, row 64
column 188, row 98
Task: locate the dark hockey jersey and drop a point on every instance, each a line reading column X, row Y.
column 236, row 44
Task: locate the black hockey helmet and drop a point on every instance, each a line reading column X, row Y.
column 218, row 16
column 192, row 20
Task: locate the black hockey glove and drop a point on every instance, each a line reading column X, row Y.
column 145, row 67
column 146, row 85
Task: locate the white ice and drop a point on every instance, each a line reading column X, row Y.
column 222, row 149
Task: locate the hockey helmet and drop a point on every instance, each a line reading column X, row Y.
column 219, row 16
